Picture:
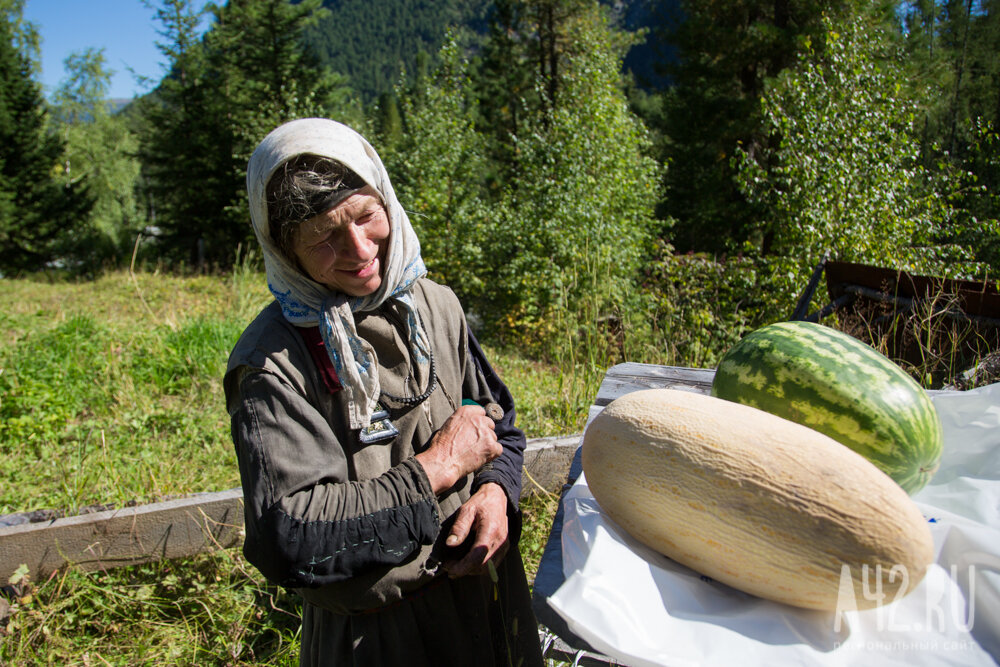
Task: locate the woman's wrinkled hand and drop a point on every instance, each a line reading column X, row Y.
column 482, row 520
column 464, row 444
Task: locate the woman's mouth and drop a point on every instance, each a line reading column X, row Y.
column 362, row 271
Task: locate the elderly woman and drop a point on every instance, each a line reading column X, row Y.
column 380, row 463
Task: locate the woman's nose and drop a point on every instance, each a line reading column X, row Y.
column 354, row 242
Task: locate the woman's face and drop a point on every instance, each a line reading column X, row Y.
column 345, row 247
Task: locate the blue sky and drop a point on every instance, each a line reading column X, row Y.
column 125, row 29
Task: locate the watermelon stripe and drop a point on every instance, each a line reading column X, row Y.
column 833, row 383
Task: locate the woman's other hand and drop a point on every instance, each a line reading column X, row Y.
column 464, row 444
column 484, row 517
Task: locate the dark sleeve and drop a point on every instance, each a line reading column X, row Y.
column 306, row 523
column 505, row 470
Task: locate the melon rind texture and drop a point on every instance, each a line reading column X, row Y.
column 760, row 503
column 837, row 385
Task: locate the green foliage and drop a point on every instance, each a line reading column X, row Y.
column 222, row 94
column 951, row 48
column 24, row 34
column 437, row 167
column 100, row 151
column 726, row 53
column 844, row 174
column 369, row 42
column 256, row 47
column 541, row 232
column 187, row 186
column 209, row 610
column 980, row 199
column 37, row 207
column 576, row 214
column 700, row 307
column 521, row 68
column 503, row 81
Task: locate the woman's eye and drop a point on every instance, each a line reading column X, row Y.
column 320, row 242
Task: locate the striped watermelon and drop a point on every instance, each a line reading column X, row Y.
column 837, row 385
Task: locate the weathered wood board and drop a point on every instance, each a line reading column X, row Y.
column 623, row 378
column 188, row 526
column 126, row 536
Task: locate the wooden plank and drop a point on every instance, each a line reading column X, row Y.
column 623, row 378
column 188, row 526
column 546, row 461
column 126, row 536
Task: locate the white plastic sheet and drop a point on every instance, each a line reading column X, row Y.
column 643, row 609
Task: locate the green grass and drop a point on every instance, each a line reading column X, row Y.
column 209, row 610
column 213, row 609
column 110, row 392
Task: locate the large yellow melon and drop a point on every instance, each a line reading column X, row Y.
column 760, row 503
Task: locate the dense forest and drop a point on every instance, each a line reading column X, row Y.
column 396, row 37
column 374, row 44
column 635, row 170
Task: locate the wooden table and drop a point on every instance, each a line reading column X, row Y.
column 561, row 643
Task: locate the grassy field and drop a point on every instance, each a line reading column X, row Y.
column 110, row 393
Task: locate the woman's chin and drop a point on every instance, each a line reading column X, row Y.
column 356, row 287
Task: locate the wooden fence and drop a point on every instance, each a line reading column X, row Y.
column 187, row 526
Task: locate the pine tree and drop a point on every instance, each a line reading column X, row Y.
column 257, row 48
column 503, row 79
column 262, row 76
column 370, row 42
column 221, row 95
column 36, row 206
column 521, row 68
column 181, row 146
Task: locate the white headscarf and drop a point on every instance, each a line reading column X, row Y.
column 304, row 302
